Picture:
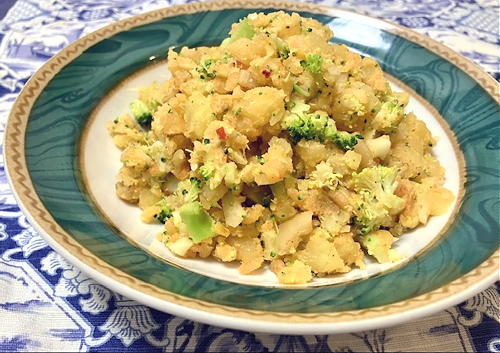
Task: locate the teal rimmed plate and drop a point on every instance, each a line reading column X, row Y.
column 61, row 164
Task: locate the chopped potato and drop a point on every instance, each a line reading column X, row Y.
column 378, row 244
column 295, row 273
column 291, row 232
column 322, row 256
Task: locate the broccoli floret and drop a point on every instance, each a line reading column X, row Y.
column 381, row 182
column 302, row 125
column 283, row 49
column 199, row 224
column 312, row 63
column 207, row 171
column 195, row 181
column 324, row 176
column 369, row 213
column 165, row 211
column 307, row 126
column 345, row 140
column 188, row 190
column 163, row 215
column 244, row 30
column 388, row 117
column 143, row 112
column 376, row 185
column 204, row 70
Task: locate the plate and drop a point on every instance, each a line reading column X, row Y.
column 61, row 165
column 100, row 163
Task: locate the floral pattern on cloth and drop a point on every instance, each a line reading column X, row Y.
column 50, row 305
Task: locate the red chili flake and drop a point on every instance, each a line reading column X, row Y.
column 266, row 73
column 221, row 133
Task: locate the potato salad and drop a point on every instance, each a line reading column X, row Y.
column 278, row 148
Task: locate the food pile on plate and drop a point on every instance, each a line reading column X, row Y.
column 278, row 147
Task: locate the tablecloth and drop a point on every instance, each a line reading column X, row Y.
column 46, row 304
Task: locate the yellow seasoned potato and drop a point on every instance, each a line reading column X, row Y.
column 322, row 256
column 257, row 107
column 411, row 151
column 290, row 233
column 245, row 50
column 295, row 273
column 167, row 122
column 225, row 252
column 311, row 153
column 125, row 131
column 249, row 251
column 378, row 244
column 276, row 163
column 349, row 250
column 198, row 114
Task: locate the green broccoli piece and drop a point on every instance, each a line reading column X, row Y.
column 283, row 49
column 369, row 213
column 324, row 177
column 163, row 215
column 388, row 117
column 189, row 189
column 143, row 112
column 381, row 182
column 204, row 70
column 299, row 108
column 165, row 212
column 345, row 140
column 199, row 224
column 303, row 125
column 376, row 185
column 306, row 126
column 207, row 171
column 312, row 63
column 244, row 30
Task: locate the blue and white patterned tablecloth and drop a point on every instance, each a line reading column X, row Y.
column 48, row 305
